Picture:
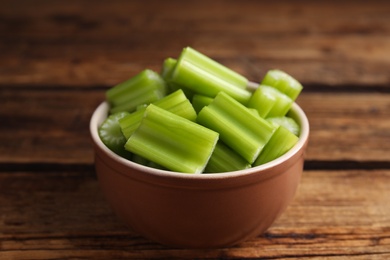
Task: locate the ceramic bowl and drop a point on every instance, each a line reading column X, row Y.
column 198, row 210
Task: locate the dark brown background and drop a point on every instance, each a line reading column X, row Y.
column 57, row 58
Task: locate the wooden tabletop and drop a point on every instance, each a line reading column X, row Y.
column 57, row 58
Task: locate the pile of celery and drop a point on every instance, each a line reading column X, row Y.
column 197, row 116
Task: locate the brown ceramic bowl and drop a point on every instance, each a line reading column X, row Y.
column 198, row 210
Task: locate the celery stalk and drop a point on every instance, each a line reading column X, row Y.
column 239, row 128
column 224, row 159
column 141, row 160
column 280, row 143
column 172, row 141
column 207, row 77
column 167, row 68
column 199, row 101
column 176, row 103
column 166, row 73
column 270, row 102
column 283, row 82
column 111, row 135
column 144, row 88
column 289, row 123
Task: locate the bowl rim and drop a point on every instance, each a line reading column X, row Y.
column 296, row 112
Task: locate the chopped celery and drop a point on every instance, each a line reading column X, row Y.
column 284, row 82
column 141, row 160
column 280, row 143
column 111, row 135
column 172, row 141
column 144, row 88
column 176, row 103
column 153, row 122
column 238, row 127
column 287, row 122
column 270, row 102
column 167, row 68
column 224, row 159
column 199, row 101
column 207, row 77
column 166, row 73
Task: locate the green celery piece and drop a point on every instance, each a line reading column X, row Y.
column 167, row 68
column 270, row 102
column 283, row 82
column 171, row 141
column 111, row 135
column 239, row 128
column 280, row 143
column 224, row 159
column 142, row 106
column 166, row 73
column 289, row 123
column 199, row 101
column 208, row 77
column 176, row 103
column 144, row 88
column 141, row 160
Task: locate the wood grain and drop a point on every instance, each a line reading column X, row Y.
column 39, row 220
column 322, row 43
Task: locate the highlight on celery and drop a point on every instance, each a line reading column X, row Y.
column 199, row 116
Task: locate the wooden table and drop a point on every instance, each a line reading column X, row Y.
column 57, row 58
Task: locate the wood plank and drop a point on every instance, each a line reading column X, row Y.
column 312, row 60
column 63, row 44
column 46, row 126
column 51, row 127
column 54, row 20
column 335, row 214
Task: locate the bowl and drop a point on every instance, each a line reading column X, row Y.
column 198, row 210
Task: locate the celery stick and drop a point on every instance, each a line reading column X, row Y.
column 238, row 127
column 172, row 141
column 224, row 159
column 166, row 73
column 129, row 124
column 167, row 68
column 289, row 123
column 176, row 103
column 270, row 102
column 280, row 143
column 283, row 82
column 111, row 135
column 144, row 88
column 199, row 101
column 143, row 161
column 214, row 67
column 207, row 77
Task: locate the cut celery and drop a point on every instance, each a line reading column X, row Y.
column 224, row 159
column 111, row 135
column 199, row 101
column 289, row 123
column 280, row 143
column 238, row 127
column 176, row 103
column 284, row 82
column 166, row 73
column 141, row 160
column 167, row 68
column 270, row 102
column 207, row 77
column 144, row 88
column 172, row 141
